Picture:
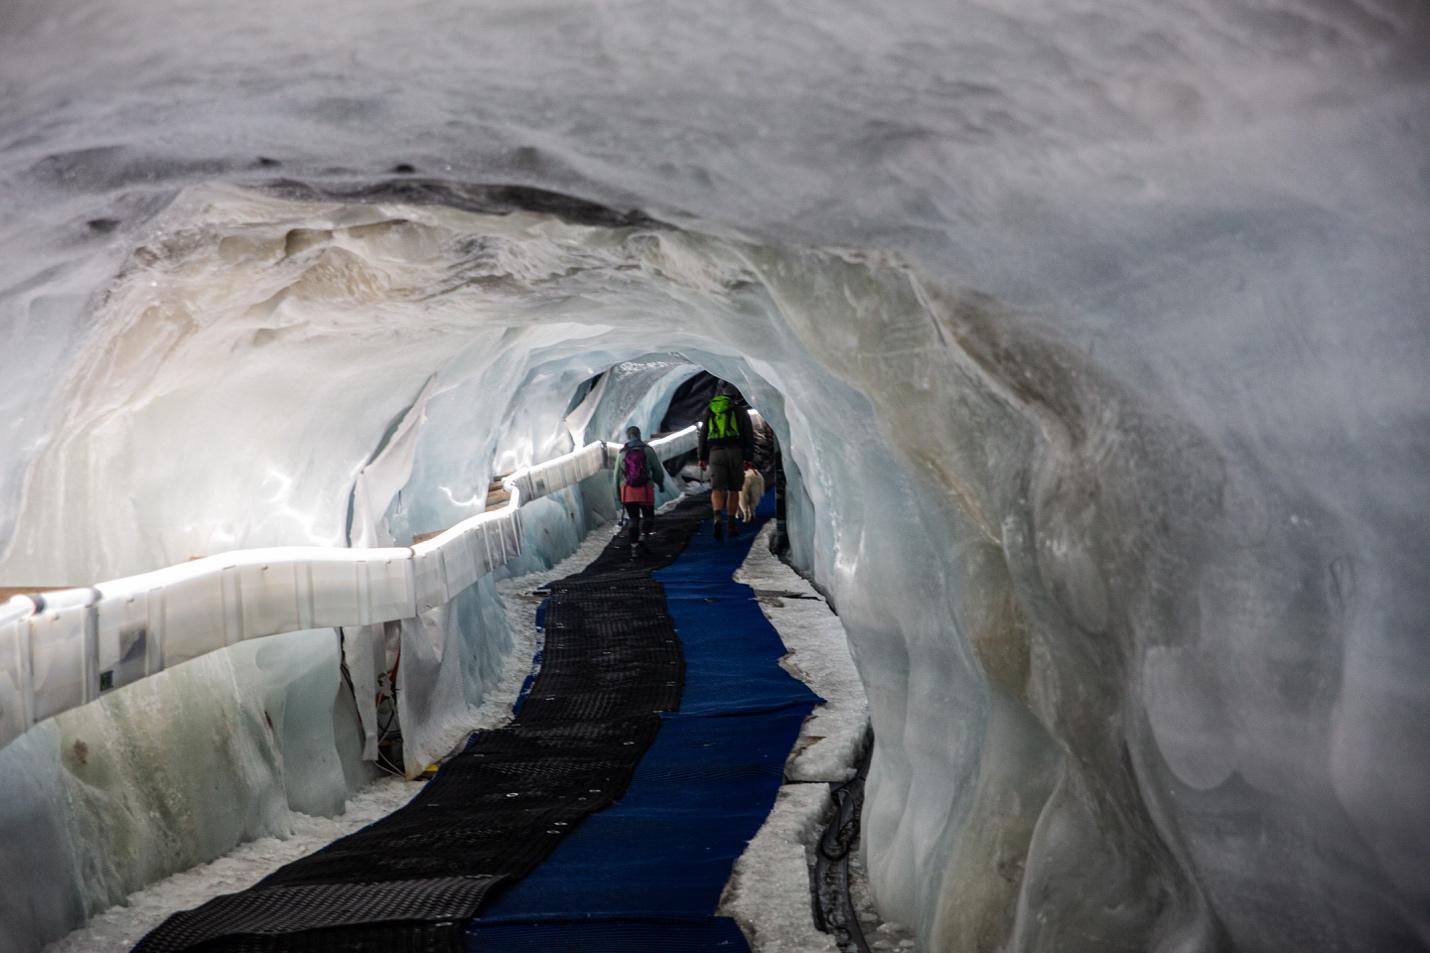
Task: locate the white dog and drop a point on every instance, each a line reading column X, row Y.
column 751, row 493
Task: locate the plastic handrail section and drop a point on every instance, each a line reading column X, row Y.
column 67, row 648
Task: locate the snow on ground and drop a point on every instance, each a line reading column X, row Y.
column 768, row 892
column 818, row 655
column 120, row 927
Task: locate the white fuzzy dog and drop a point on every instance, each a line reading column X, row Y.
column 750, row 493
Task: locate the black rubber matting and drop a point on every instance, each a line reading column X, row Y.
column 409, row 882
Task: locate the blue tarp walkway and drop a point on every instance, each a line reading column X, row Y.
column 646, row 873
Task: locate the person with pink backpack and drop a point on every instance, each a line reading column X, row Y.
column 638, row 473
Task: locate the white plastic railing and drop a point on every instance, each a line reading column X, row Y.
column 77, row 644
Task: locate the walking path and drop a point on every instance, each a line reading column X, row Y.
column 647, row 873
column 644, row 873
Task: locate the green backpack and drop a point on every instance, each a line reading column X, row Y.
column 723, row 422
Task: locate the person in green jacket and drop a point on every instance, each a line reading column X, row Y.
column 638, row 473
column 726, row 442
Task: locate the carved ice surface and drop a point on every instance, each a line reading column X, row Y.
column 1095, row 334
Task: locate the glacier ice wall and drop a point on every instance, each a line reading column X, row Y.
column 1095, row 333
column 168, row 773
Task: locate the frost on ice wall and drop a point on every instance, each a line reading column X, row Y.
column 1095, row 335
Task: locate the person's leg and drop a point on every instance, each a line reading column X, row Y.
column 717, row 512
column 735, row 463
column 647, row 519
column 721, row 486
column 633, row 512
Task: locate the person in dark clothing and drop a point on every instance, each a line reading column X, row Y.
column 765, row 451
column 726, row 444
column 638, row 473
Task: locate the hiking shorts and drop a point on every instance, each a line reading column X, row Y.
column 727, row 468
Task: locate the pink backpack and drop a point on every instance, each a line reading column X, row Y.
column 634, row 467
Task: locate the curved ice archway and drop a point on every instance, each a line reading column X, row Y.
column 1093, row 634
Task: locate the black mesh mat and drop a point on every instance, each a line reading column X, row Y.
column 407, row 883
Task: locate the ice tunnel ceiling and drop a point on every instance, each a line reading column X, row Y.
column 325, row 320
column 1094, row 334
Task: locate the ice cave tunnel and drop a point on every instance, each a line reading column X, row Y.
column 1098, row 387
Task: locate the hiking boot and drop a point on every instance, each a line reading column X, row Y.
column 734, row 529
column 719, row 529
